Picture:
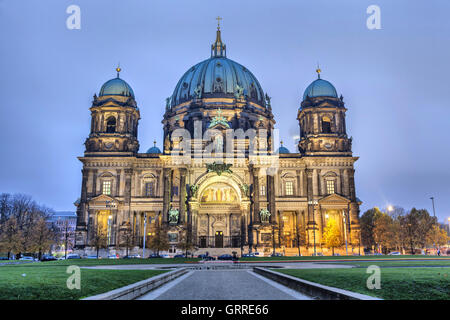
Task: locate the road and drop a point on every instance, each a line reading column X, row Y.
column 223, row 285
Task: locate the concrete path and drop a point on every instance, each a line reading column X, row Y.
column 223, row 285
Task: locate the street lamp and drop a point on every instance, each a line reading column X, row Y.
column 434, row 211
column 313, row 203
column 145, row 230
column 448, row 219
column 345, row 232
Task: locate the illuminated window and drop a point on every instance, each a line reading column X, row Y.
column 149, row 189
column 289, row 188
column 106, row 187
column 262, row 190
column 330, row 186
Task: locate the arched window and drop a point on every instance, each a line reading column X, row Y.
column 111, row 125
column 326, row 125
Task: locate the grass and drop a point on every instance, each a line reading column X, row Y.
column 384, row 257
column 396, row 283
column 48, row 282
column 431, row 263
column 101, row 262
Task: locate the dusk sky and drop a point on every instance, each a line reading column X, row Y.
column 395, row 82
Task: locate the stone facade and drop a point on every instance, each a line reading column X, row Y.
column 227, row 191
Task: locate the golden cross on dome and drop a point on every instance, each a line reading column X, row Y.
column 118, row 69
column 218, row 22
column 318, row 71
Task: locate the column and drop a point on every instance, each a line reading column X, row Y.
column 315, row 185
column 182, row 198
column 256, row 206
column 166, row 193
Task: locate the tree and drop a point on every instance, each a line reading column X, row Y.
column 98, row 239
column 126, row 238
column 332, row 235
column 367, row 221
column 186, row 243
column 42, row 237
column 415, row 226
column 67, row 235
column 383, row 232
column 300, row 238
column 11, row 236
column 160, row 241
column 437, row 236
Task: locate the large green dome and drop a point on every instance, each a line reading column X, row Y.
column 217, row 77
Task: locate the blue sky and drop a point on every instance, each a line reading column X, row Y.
column 394, row 82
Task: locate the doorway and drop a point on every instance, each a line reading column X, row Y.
column 219, row 239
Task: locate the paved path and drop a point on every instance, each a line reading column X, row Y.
column 223, row 285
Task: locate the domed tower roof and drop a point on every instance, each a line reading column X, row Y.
column 282, row 149
column 154, row 149
column 218, row 77
column 320, row 88
column 116, row 87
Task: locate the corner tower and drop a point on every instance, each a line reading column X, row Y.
column 322, row 121
column 114, row 120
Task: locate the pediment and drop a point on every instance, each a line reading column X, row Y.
column 103, row 201
column 334, row 199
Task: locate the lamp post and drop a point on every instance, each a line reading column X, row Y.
column 345, row 232
column 145, row 235
column 109, row 205
column 313, row 203
column 448, row 219
column 434, row 211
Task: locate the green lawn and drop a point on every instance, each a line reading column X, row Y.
column 396, row 283
column 44, row 281
column 97, row 262
column 406, row 263
column 384, row 257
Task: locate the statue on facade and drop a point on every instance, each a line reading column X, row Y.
column 265, row 215
column 239, row 91
column 173, row 216
column 268, row 101
column 198, row 92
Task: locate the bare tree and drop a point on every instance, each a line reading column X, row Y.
column 98, row 239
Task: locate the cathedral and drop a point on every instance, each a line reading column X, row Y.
column 222, row 183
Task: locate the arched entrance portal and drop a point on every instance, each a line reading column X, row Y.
column 220, row 217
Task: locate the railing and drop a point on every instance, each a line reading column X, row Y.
column 219, row 242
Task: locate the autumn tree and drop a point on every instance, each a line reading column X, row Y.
column 415, row 226
column 160, row 240
column 383, row 232
column 42, row 237
column 332, row 235
column 10, row 236
column 437, row 236
column 367, row 222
